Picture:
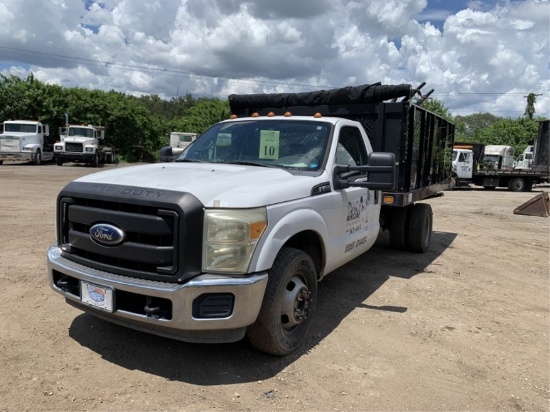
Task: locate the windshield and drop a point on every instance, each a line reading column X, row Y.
column 81, row 131
column 290, row 144
column 491, row 158
column 21, row 128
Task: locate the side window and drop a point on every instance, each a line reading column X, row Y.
column 461, row 158
column 351, row 148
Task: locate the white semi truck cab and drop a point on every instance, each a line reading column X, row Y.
column 82, row 143
column 233, row 237
column 24, row 140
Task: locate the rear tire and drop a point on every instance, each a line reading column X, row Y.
column 398, row 226
column 288, row 305
column 517, row 185
column 420, row 228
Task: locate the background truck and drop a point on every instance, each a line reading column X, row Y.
column 233, row 237
column 498, row 157
column 25, row 140
column 81, row 143
column 525, row 160
column 178, row 143
column 536, row 157
column 470, row 166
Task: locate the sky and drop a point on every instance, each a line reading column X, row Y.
column 478, row 56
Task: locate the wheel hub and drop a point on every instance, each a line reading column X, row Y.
column 295, row 307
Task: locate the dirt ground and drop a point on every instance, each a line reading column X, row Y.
column 463, row 327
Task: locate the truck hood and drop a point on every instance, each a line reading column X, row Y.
column 215, row 185
column 17, row 134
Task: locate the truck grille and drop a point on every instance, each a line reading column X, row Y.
column 154, row 245
column 73, row 147
column 10, row 144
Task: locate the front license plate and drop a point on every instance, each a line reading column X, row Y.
column 98, row 296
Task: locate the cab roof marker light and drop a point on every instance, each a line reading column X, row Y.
column 271, row 114
column 255, row 114
column 317, row 115
column 288, row 114
column 233, row 116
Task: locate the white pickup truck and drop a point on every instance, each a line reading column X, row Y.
column 233, row 237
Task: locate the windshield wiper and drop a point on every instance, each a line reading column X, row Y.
column 191, row 160
column 249, row 163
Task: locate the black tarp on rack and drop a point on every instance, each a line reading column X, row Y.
column 367, row 93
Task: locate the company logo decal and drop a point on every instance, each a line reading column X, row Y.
column 107, row 235
column 96, row 294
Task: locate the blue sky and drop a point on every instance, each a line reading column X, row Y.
column 479, row 56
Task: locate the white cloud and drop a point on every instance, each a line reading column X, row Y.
column 485, row 57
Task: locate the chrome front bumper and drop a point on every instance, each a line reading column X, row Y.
column 248, row 295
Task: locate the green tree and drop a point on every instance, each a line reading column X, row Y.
column 469, row 127
column 517, row 133
column 530, row 107
column 202, row 115
column 437, row 107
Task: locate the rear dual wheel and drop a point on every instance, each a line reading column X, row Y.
column 411, row 226
column 519, row 184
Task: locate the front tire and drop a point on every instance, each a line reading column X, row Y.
column 288, row 306
column 59, row 161
column 95, row 161
column 38, row 158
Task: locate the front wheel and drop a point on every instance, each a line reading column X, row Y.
column 288, row 306
column 59, row 161
column 38, row 158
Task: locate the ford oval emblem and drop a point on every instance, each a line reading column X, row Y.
column 107, row 235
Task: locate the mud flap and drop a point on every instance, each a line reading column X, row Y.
column 537, row 206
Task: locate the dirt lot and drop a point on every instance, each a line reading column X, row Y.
column 462, row 327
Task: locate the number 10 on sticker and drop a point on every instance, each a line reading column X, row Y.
column 269, row 144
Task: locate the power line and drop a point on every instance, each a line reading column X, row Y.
column 149, row 69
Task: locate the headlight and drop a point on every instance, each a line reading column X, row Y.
column 230, row 238
column 89, row 149
column 58, row 147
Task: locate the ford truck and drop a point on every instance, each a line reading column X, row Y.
column 232, row 238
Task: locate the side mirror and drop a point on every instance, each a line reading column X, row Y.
column 381, row 171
